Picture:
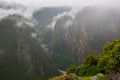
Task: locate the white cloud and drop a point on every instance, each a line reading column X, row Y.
column 34, row 4
column 41, row 3
column 5, row 12
column 68, row 22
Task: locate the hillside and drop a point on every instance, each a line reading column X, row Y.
column 37, row 43
column 105, row 66
column 73, row 37
column 21, row 54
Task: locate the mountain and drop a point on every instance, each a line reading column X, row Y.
column 100, row 26
column 44, row 16
column 34, row 45
column 71, row 39
column 11, row 8
column 8, row 5
column 21, row 54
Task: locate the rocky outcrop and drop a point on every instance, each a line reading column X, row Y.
column 113, row 76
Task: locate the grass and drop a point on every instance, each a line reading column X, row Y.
column 98, row 77
column 85, row 78
column 101, row 78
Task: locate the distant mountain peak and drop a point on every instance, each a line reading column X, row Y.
column 10, row 5
column 11, row 8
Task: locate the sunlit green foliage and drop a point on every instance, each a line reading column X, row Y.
column 91, row 59
column 71, row 69
column 110, row 59
column 88, row 68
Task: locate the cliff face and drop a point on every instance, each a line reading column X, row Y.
column 71, row 39
column 44, row 16
column 99, row 25
column 21, row 54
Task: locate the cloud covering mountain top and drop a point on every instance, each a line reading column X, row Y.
column 27, row 7
column 11, row 8
column 16, row 6
column 43, row 3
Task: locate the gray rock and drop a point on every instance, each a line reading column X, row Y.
column 100, row 74
column 94, row 78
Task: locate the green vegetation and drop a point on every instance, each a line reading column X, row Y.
column 67, row 77
column 21, row 55
column 104, row 63
column 96, row 77
column 88, row 68
column 74, row 77
column 108, row 61
column 101, row 77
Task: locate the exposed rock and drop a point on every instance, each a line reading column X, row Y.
column 113, row 76
column 94, row 78
column 100, row 74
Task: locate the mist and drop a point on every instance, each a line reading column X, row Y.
column 40, row 38
column 74, row 3
column 27, row 7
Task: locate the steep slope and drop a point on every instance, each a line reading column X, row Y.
column 45, row 15
column 21, row 54
column 100, row 25
column 87, row 32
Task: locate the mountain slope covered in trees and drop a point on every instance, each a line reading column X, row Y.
column 107, row 63
column 21, row 54
column 36, row 46
column 72, row 38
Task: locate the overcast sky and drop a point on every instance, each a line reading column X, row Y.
column 41, row 3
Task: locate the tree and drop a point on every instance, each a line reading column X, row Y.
column 91, row 60
column 71, row 69
column 88, row 68
column 110, row 59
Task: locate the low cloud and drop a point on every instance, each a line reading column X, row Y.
column 75, row 3
column 71, row 14
column 7, row 9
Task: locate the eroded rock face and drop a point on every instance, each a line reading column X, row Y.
column 113, row 76
column 87, row 32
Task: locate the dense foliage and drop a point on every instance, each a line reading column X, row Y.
column 88, row 68
column 106, row 62
column 21, row 54
column 110, row 59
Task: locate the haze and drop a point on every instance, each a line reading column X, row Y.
column 75, row 3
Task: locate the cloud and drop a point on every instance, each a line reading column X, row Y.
column 7, row 9
column 75, row 3
column 71, row 14
column 31, row 5
column 4, row 13
column 11, row 8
